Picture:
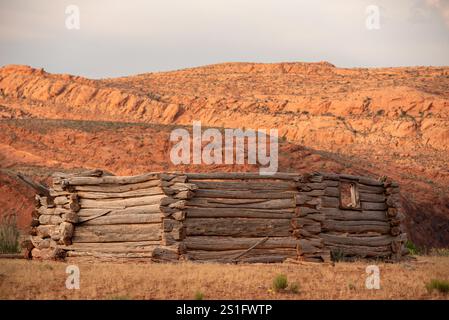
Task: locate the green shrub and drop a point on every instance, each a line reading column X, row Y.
column 9, row 235
column 280, row 282
column 294, row 287
column 337, row 255
column 199, row 295
column 441, row 286
column 412, row 248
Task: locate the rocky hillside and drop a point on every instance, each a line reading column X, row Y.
column 389, row 121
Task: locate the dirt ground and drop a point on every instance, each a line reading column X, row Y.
column 24, row 279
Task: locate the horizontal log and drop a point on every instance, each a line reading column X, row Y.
column 117, row 233
column 255, row 255
column 373, row 206
column 371, row 189
column 246, row 185
column 347, row 215
column 118, row 188
column 79, row 181
column 217, row 243
column 125, row 219
column 372, row 197
column 238, row 227
column 330, row 202
column 357, row 226
column 242, row 194
column 50, row 219
column 122, row 247
column 374, row 241
column 127, row 194
column 120, row 203
column 146, row 209
column 241, row 175
column 362, row 251
column 242, row 203
column 110, row 255
column 240, row 212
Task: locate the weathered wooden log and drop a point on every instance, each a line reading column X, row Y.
column 70, row 216
column 192, row 212
column 266, row 255
column 217, row 243
column 131, row 246
column 242, row 194
column 61, row 200
column 110, row 255
column 306, row 246
column 66, row 230
column 46, row 231
column 348, row 215
column 117, row 233
column 373, row 206
column 113, row 188
column 242, row 203
column 120, row 203
column 165, row 253
column 50, row 219
column 184, row 195
column 127, row 194
column 79, row 181
column 361, row 251
column 246, row 185
column 124, row 219
column 39, row 187
column 371, row 189
column 357, row 226
column 238, row 227
column 375, row 241
column 241, row 175
column 330, row 202
column 146, row 209
column 372, row 197
column 332, row 192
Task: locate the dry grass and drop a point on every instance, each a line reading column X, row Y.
column 22, row 279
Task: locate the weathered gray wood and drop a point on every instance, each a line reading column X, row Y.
column 118, row 188
column 374, row 241
column 50, row 219
column 242, row 203
column 111, row 255
column 242, row 194
column 330, row 202
column 217, row 243
column 192, row 212
column 362, row 251
column 372, row 197
column 125, row 219
column 246, row 185
column 127, row 194
column 79, row 181
column 238, row 227
column 118, row 247
column 266, row 255
column 347, row 215
column 120, row 203
column 371, row 189
column 241, row 175
column 146, row 209
column 373, row 206
column 357, row 226
column 117, row 233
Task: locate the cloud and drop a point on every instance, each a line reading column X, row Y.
column 442, row 6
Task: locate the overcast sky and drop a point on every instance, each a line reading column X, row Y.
column 118, row 38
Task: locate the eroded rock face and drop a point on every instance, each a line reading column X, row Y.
column 389, row 121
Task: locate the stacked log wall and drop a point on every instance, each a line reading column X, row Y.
column 222, row 217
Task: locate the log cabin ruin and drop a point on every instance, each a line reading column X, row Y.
column 219, row 217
